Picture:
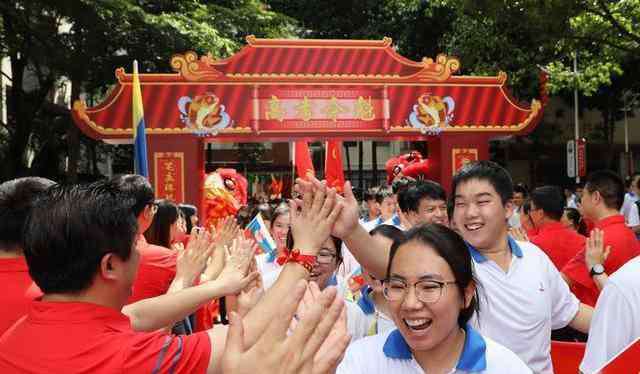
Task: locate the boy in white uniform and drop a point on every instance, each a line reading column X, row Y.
column 525, row 295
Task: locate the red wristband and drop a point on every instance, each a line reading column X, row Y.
column 307, row 261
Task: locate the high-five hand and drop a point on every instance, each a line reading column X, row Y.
column 234, row 275
column 275, row 351
column 312, row 219
column 347, row 221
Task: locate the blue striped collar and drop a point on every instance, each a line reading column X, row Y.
column 472, row 359
column 365, row 302
column 479, row 257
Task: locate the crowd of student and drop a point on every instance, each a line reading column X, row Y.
column 103, row 278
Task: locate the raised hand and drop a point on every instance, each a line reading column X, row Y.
column 326, row 359
column 595, row 252
column 226, row 231
column 239, row 256
column 312, row 219
column 193, row 260
column 347, row 221
column 277, row 352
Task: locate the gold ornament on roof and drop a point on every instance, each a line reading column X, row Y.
column 194, row 69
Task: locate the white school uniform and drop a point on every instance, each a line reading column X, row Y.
column 519, row 308
column 616, row 321
column 389, row 353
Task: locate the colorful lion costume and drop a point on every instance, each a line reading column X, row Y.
column 224, row 192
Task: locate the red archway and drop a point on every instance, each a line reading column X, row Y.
column 282, row 90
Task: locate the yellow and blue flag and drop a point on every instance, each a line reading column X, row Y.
column 140, row 161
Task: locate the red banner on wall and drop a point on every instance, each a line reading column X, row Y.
column 169, row 175
column 462, row 156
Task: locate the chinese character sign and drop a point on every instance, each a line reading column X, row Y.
column 319, row 108
column 169, row 175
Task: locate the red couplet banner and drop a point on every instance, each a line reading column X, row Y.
column 169, row 175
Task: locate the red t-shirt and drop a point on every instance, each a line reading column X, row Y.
column 156, row 271
column 560, row 243
column 60, row 337
column 18, row 291
column 624, row 247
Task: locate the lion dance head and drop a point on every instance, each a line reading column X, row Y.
column 408, row 165
column 224, row 192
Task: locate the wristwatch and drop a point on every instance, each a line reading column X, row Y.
column 597, row 269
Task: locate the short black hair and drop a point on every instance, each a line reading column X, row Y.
column 409, row 198
column 521, row 188
column 137, row 187
column 17, row 198
column 609, row 185
column 488, row 171
column 76, row 225
column 370, row 194
column 382, row 194
column 159, row 233
column 550, row 199
column 452, row 248
column 575, row 217
column 388, row 231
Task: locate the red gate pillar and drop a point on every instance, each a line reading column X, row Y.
column 176, row 167
column 447, row 154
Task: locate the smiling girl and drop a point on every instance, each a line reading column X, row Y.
column 431, row 294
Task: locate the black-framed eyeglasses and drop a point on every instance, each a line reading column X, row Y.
column 325, row 257
column 427, row 291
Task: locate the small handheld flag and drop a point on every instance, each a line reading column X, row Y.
column 260, row 232
column 140, row 161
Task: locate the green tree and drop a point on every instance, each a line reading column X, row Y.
column 85, row 41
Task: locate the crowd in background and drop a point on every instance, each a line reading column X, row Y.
column 106, row 278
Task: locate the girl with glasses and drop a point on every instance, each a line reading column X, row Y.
column 431, row 293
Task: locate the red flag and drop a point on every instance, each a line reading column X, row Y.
column 302, row 160
column 333, row 165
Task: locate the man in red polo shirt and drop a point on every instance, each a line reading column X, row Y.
column 560, row 243
column 157, row 264
column 80, row 250
column 18, row 290
column 602, row 198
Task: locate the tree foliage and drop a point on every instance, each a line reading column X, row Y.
column 84, row 41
